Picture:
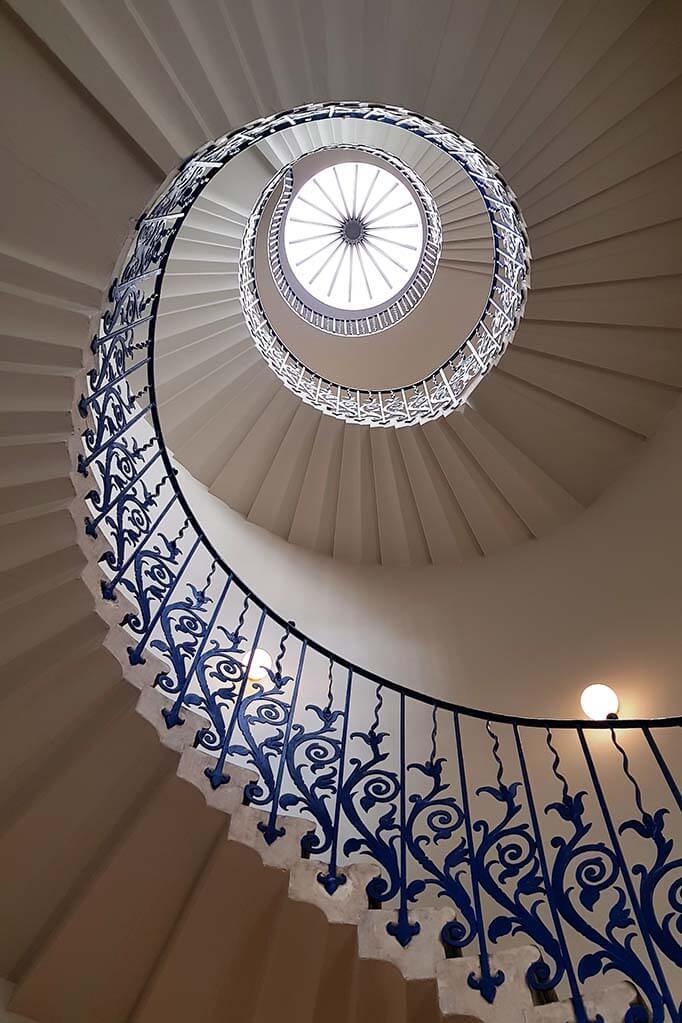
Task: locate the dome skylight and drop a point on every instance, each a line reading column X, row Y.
column 354, row 239
column 340, row 221
column 353, row 235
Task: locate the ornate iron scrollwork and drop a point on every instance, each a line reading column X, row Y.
column 342, row 762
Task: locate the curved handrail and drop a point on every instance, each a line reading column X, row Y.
column 378, row 770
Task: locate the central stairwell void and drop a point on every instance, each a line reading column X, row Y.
column 528, row 865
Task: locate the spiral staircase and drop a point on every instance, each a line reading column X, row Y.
column 133, row 888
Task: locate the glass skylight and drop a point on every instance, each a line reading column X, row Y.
column 354, row 236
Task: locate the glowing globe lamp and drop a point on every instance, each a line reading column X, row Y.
column 599, row 702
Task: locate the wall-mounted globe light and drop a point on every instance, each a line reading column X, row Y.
column 599, row 702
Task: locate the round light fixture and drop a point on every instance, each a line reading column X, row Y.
column 599, row 702
column 261, row 664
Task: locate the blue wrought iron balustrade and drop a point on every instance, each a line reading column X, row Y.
column 559, row 834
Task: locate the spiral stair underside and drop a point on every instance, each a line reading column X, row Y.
column 595, row 365
column 148, row 905
column 593, row 151
column 596, row 362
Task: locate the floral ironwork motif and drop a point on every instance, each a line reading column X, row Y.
column 435, row 820
column 507, row 852
column 312, row 758
column 370, row 790
column 664, row 870
column 587, row 876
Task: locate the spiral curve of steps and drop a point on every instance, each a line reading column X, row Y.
column 146, row 862
column 577, row 103
column 595, row 365
column 498, row 471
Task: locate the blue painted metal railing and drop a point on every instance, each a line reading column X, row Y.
column 557, row 833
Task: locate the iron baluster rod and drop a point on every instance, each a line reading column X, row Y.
column 88, row 399
column 403, row 930
column 109, row 585
column 488, row 983
column 270, row 830
column 84, row 462
column 247, row 721
column 92, row 524
column 172, row 716
column 641, row 922
column 135, row 653
column 216, row 776
column 99, row 340
column 332, row 879
column 665, row 770
column 576, row 995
